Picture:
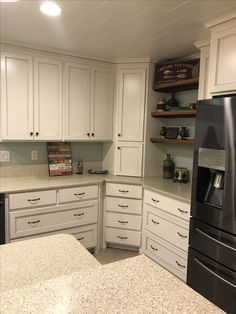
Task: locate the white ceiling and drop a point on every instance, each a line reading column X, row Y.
column 115, row 29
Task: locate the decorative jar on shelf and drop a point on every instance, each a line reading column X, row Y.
column 168, row 167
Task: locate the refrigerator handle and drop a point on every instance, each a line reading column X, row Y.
column 213, row 273
column 215, row 240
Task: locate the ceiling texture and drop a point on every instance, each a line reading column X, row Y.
column 114, row 29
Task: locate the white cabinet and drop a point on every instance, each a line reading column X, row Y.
column 16, row 97
column 47, row 99
column 131, row 104
column 222, row 58
column 129, row 156
column 203, row 89
column 88, row 102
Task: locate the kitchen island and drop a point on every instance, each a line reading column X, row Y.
column 135, row 285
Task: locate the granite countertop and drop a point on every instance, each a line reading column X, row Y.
column 179, row 191
column 135, row 285
column 36, row 260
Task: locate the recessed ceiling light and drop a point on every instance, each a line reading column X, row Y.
column 50, row 8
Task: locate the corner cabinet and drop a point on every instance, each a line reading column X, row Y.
column 88, row 102
column 222, row 76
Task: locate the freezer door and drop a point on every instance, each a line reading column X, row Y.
column 212, row 280
column 214, row 243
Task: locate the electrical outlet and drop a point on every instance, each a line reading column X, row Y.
column 4, row 156
column 34, row 155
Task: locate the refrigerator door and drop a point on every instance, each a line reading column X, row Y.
column 218, row 245
column 212, row 280
column 216, row 130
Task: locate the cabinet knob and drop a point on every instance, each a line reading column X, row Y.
column 92, row 134
column 31, row 133
column 119, row 134
column 37, row 133
column 88, row 134
column 118, row 147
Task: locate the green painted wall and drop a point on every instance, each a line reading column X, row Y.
column 21, row 152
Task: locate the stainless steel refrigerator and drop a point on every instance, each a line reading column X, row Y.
column 212, row 242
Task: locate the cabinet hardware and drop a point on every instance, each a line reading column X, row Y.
column 79, row 194
column 155, row 222
column 37, row 133
column 155, row 249
column 34, row 200
column 119, row 134
column 88, row 134
column 122, row 222
column 156, row 201
column 182, row 211
column 123, row 206
column 122, row 238
column 33, row 222
column 118, row 147
column 179, row 264
column 81, row 214
column 182, row 236
column 92, row 134
column 31, row 133
column 124, row 191
column 82, row 238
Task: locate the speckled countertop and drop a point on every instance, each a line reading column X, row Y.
column 158, row 184
column 135, row 285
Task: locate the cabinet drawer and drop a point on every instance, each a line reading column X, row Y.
column 123, row 205
column 166, row 227
column 35, row 221
column 124, row 190
column 166, row 255
column 122, row 236
column 32, row 199
column 77, row 194
column 168, row 204
column 123, row 221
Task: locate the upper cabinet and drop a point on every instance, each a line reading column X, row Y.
column 16, row 97
column 88, row 103
column 131, row 104
column 47, row 99
column 222, row 74
column 203, row 89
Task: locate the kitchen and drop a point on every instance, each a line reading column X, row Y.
column 82, row 90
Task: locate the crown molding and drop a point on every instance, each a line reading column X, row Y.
column 202, row 43
column 221, row 20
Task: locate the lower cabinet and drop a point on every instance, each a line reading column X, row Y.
column 165, row 236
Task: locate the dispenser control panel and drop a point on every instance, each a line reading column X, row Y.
column 211, row 158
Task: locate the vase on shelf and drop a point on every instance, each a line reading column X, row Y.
column 168, row 167
column 172, row 102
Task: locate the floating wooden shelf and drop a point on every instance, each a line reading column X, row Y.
column 178, row 86
column 174, row 114
column 172, row 141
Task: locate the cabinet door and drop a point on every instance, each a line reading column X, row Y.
column 101, row 117
column 203, row 90
column 131, row 104
column 16, row 97
column 76, row 87
column 222, row 64
column 47, row 99
column 129, row 159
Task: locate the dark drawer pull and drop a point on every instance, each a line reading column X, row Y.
column 122, row 222
column 33, row 222
column 79, row 194
column 182, row 211
column 123, row 206
column 34, row 199
column 156, row 201
column 182, row 236
column 123, row 191
column 180, row 264
column 81, row 214
column 82, row 238
column 155, row 249
column 122, row 238
column 155, row 222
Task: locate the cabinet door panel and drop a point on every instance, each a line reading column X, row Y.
column 101, row 104
column 77, row 113
column 131, row 103
column 48, row 99
column 16, row 97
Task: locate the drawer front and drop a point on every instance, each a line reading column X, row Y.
column 168, row 204
column 121, row 236
column 30, row 222
column 78, row 194
column 32, row 199
column 171, row 257
column 166, row 229
column 124, row 190
column 123, row 205
column 123, row 221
